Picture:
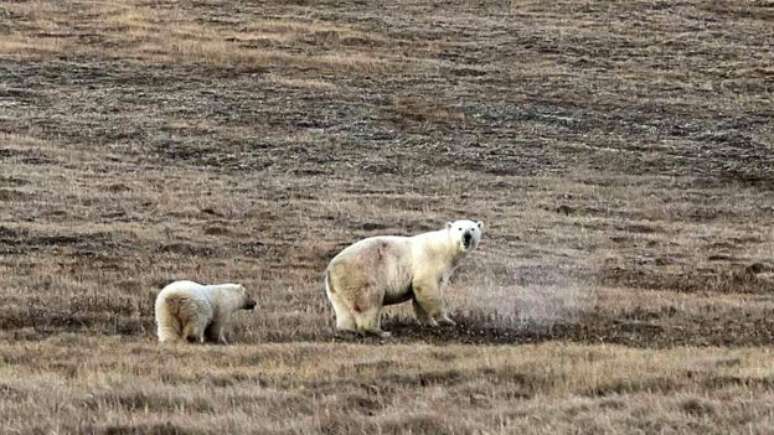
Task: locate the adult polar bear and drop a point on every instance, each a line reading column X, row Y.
column 186, row 310
column 388, row 270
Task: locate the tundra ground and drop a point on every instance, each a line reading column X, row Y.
column 621, row 154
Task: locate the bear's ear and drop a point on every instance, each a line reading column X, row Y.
column 480, row 225
column 449, row 225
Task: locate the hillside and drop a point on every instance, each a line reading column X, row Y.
column 620, row 153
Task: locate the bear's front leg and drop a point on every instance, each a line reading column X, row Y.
column 428, row 305
column 216, row 333
column 219, row 336
column 422, row 315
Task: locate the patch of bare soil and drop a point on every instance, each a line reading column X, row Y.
column 638, row 328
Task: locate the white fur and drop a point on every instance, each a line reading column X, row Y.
column 186, row 310
column 386, row 270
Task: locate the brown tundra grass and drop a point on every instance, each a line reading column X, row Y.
column 619, row 152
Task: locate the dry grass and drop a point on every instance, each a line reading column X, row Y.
column 164, row 34
column 119, row 385
column 619, row 152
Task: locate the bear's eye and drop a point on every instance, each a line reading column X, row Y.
column 459, row 229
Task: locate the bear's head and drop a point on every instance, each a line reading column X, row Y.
column 239, row 296
column 248, row 303
column 465, row 234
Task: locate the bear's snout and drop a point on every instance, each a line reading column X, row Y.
column 467, row 238
column 250, row 304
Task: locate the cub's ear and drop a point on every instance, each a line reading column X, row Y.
column 480, row 225
column 449, row 225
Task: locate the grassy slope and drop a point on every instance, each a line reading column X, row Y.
column 619, row 152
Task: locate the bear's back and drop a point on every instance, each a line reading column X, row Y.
column 370, row 244
column 187, row 288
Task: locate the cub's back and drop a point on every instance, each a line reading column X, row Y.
column 188, row 288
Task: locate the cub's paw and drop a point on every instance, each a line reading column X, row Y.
column 377, row 333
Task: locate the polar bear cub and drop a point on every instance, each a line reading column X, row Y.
column 186, row 310
column 387, row 270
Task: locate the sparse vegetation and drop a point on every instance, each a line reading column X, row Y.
column 620, row 153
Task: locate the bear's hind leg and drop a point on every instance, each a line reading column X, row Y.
column 168, row 329
column 370, row 322
column 194, row 332
column 345, row 322
column 168, row 335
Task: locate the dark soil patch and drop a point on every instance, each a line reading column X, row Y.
column 675, row 329
column 725, row 278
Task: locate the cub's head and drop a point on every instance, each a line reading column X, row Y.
column 465, row 233
column 245, row 301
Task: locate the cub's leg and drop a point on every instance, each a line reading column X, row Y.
column 216, row 333
column 194, row 317
column 193, row 331
column 168, row 326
